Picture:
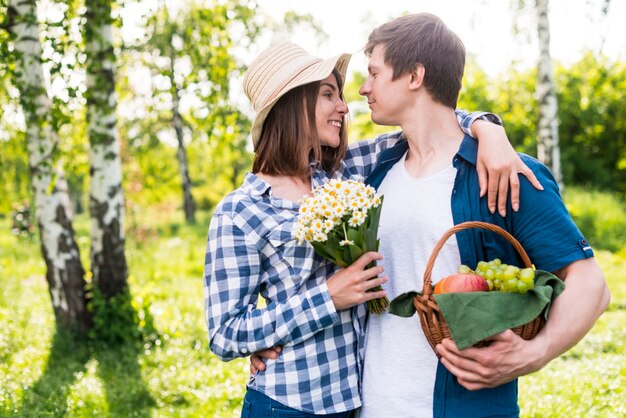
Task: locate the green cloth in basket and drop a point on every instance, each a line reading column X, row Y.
column 474, row 316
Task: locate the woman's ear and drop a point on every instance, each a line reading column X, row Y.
column 416, row 77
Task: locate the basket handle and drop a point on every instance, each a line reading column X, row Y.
column 427, row 289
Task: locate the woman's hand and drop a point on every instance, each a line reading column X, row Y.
column 498, row 167
column 257, row 364
column 351, row 285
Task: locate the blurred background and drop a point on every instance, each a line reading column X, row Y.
column 123, row 124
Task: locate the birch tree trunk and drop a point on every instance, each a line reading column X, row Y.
column 189, row 204
column 106, row 198
column 64, row 270
column 548, row 150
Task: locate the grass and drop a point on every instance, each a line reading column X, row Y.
column 173, row 374
column 590, row 379
column 44, row 373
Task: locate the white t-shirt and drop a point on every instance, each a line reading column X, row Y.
column 400, row 365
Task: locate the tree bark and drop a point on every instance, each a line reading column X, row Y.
column 64, row 270
column 106, row 197
column 189, row 204
column 548, row 150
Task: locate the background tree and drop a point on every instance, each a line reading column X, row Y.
column 548, row 150
column 189, row 54
column 106, row 197
column 64, row 270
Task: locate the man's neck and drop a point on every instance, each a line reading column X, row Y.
column 434, row 137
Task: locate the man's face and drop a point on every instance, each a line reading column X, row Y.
column 386, row 97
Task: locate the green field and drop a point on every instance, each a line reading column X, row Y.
column 172, row 373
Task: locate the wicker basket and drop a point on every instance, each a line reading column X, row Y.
column 433, row 323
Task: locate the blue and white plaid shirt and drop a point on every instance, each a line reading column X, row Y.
column 250, row 252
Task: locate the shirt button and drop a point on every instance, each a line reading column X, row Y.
column 244, row 351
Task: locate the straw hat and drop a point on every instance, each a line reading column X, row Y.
column 280, row 68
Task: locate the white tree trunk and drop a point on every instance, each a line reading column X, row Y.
column 64, row 270
column 548, row 150
column 108, row 261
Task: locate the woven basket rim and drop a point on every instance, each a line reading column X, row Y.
column 432, row 321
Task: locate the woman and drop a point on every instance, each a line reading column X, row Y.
column 299, row 138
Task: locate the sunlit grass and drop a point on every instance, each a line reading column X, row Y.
column 174, row 376
column 590, row 379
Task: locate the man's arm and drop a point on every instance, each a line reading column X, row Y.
column 554, row 243
column 572, row 315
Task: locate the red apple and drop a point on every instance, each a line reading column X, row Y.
column 461, row 282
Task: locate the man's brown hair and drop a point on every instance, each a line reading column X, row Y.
column 423, row 39
column 289, row 144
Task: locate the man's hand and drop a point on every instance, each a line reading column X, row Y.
column 507, row 357
column 498, row 167
column 256, row 360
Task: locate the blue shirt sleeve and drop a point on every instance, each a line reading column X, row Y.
column 543, row 224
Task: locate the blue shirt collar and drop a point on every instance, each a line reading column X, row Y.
column 468, row 150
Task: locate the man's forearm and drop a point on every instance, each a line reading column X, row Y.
column 574, row 312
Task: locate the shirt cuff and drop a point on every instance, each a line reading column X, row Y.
column 324, row 313
column 474, row 116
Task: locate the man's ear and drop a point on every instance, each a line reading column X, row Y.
column 416, row 77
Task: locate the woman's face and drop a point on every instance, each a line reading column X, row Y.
column 330, row 110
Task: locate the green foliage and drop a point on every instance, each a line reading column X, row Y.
column 22, row 224
column 511, row 96
column 190, row 55
column 593, row 122
column 14, row 171
column 592, row 117
column 121, row 320
column 600, row 216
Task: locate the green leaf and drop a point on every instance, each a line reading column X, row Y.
column 355, row 252
column 403, row 305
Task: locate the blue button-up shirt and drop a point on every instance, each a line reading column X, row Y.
column 543, row 227
column 250, row 253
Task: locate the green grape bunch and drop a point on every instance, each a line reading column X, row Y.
column 503, row 277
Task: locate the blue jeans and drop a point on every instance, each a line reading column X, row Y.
column 257, row 405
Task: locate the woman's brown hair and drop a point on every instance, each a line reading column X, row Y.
column 283, row 148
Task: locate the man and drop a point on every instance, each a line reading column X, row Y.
column 430, row 183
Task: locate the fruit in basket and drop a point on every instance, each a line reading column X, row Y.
column 461, row 282
column 503, row 277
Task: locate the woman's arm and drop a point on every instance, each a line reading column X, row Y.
column 498, row 166
column 232, row 281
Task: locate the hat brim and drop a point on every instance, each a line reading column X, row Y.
column 315, row 72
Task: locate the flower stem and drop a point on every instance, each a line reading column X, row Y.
column 380, row 305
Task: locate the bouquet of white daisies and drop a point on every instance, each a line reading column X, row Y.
column 340, row 220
